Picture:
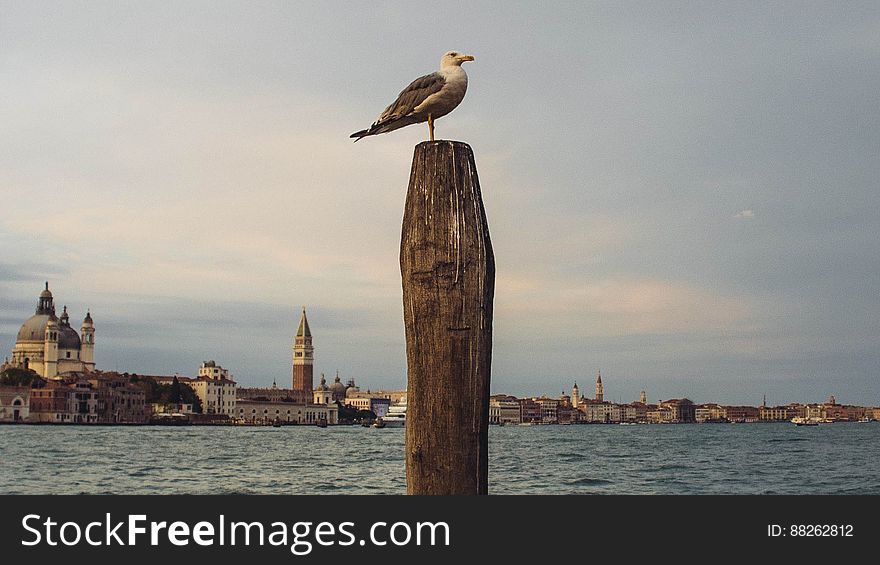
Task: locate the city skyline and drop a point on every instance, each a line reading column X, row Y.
column 681, row 194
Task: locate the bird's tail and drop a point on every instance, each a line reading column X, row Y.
column 358, row 135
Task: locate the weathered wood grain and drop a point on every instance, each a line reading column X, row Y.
column 448, row 272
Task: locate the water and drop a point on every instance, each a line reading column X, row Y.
column 599, row 459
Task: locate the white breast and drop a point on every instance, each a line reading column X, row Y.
column 450, row 96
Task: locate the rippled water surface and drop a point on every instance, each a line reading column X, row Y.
column 673, row 459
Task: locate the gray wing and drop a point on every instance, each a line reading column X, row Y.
column 411, row 96
column 399, row 113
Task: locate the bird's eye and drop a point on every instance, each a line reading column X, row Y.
column 453, row 54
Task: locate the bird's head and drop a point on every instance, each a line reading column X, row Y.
column 451, row 58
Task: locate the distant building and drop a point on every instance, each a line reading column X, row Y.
column 661, row 415
column 504, row 409
column 60, row 402
column 530, row 411
column 549, row 409
column 778, row 413
column 172, row 408
column 395, row 396
column 273, row 393
column 49, row 346
column 575, row 396
column 266, row 412
column 119, row 400
column 742, row 413
column 709, row 413
column 598, row 412
column 378, row 406
column 15, row 402
column 640, row 410
column 215, row 388
column 681, row 410
column 600, row 391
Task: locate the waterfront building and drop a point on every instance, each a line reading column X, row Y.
column 815, row 411
column 504, row 409
column 59, row 402
column 95, row 398
column 844, row 412
column 49, row 346
column 267, row 412
column 777, row 413
column 215, row 387
column 549, row 409
column 530, row 411
column 575, row 396
column 119, row 400
column 273, row 393
column 564, row 410
column 599, row 412
column 660, row 415
column 378, row 406
column 394, row 396
column 217, row 391
column 624, row 413
column 600, row 391
column 681, row 410
column 171, row 408
column 709, row 413
column 640, row 410
column 303, row 357
column 15, row 403
column 742, row 413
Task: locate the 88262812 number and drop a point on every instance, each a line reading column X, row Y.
column 821, row 530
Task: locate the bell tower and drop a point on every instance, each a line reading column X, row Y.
column 50, row 347
column 87, row 338
column 303, row 357
column 600, row 391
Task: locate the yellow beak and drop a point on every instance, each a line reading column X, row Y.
column 466, row 58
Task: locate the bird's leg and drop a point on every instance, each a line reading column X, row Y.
column 431, row 126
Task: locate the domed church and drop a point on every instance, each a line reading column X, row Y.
column 49, row 346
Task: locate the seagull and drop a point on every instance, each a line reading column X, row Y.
column 425, row 99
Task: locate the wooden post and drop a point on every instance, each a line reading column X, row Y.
column 448, row 273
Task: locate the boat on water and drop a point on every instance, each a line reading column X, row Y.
column 394, row 418
column 798, row 421
column 864, row 419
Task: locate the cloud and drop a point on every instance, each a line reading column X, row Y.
column 745, row 214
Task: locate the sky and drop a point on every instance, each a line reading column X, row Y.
column 683, row 195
